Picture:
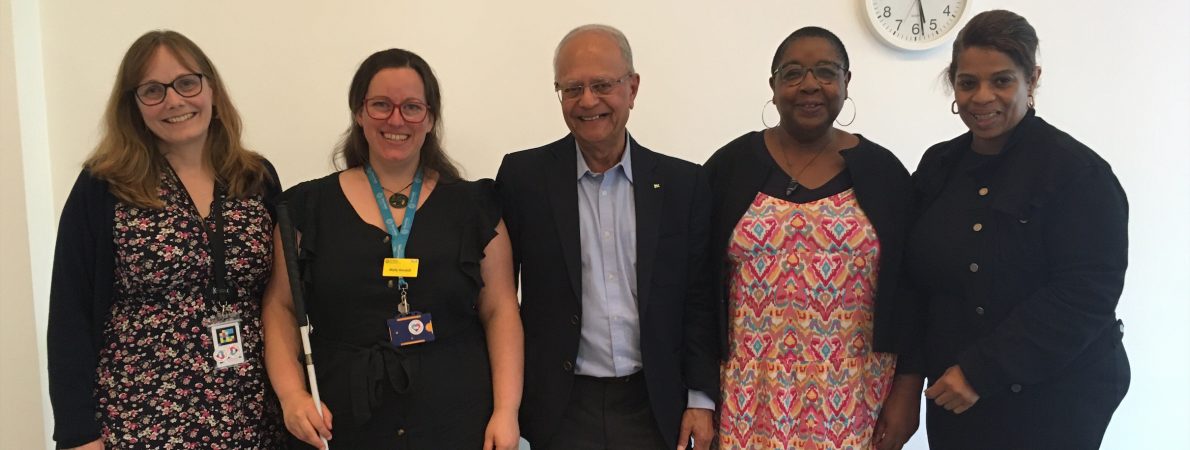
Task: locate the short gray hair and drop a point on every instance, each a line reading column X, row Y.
column 607, row 30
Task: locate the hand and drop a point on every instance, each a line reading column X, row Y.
column 301, row 418
column 899, row 417
column 503, row 432
column 93, row 445
column 700, row 423
column 952, row 391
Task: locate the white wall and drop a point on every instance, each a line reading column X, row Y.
column 1115, row 77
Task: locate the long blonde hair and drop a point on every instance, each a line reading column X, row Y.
column 128, row 157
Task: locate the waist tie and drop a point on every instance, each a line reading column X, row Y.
column 369, row 369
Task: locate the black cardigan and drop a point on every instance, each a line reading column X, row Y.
column 882, row 186
column 81, row 295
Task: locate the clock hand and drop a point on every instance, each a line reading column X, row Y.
column 921, row 15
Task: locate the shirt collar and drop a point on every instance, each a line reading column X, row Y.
column 625, row 163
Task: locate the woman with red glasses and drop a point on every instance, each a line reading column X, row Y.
column 417, row 338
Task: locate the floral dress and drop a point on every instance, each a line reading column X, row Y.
column 801, row 372
column 158, row 387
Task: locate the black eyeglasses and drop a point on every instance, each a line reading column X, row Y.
column 153, row 93
column 597, row 86
column 381, row 108
column 793, row 75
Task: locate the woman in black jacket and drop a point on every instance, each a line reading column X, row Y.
column 1018, row 255
column 808, row 226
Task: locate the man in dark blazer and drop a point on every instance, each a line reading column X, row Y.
column 609, row 239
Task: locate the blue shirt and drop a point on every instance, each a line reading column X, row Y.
column 609, row 344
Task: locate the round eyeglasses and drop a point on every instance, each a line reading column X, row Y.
column 793, row 75
column 381, row 108
column 153, row 93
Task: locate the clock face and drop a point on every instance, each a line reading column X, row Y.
column 915, row 24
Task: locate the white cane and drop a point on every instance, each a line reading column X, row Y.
column 289, row 245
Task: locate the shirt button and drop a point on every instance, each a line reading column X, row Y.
column 974, row 267
column 400, row 432
column 567, row 365
column 574, row 319
column 611, row 276
column 390, row 284
column 1015, row 388
column 979, row 310
column 603, row 193
column 387, row 238
column 977, row 227
column 983, row 191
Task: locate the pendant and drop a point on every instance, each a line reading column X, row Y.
column 398, row 200
column 792, row 187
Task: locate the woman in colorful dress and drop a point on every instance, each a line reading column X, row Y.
column 453, row 382
column 809, row 223
column 164, row 251
column 1018, row 254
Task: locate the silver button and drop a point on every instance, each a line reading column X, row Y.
column 979, row 310
column 1023, row 220
column 1015, row 388
column 977, row 227
column 390, row 284
column 387, row 238
column 983, row 191
column 974, row 267
column 400, row 432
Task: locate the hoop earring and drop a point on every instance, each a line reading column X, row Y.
column 854, row 109
column 1031, row 102
column 954, row 107
column 764, row 108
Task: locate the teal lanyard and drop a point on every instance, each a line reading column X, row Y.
column 399, row 236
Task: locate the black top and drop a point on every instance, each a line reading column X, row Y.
column 777, row 183
column 1019, row 258
column 81, row 296
column 741, row 169
column 431, row 395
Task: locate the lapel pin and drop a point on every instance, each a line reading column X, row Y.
column 656, row 186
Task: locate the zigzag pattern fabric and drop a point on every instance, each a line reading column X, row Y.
column 801, row 373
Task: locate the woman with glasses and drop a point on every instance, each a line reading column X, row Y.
column 808, row 224
column 1018, row 256
column 417, row 338
column 163, row 254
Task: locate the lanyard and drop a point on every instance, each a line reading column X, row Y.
column 399, row 236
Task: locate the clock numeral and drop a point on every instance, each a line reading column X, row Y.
column 916, row 28
column 887, row 11
column 947, row 10
column 898, row 25
column 933, row 24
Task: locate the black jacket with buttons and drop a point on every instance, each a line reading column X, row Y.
column 1018, row 261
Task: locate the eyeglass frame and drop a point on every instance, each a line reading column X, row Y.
column 397, row 107
column 583, row 87
column 166, row 87
column 842, row 73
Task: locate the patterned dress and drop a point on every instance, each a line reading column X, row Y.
column 157, row 383
column 801, row 372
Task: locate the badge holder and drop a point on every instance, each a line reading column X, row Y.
column 409, row 328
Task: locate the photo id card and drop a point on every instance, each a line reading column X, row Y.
column 413, row 329
column 228, row 344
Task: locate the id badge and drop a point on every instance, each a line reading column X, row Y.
column 412, row 329
column 228, row 341
column 400, row 267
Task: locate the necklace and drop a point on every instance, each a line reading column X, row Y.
column 398, row 200
column 793, row 183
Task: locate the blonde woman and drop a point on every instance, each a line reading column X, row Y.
column 163, row 252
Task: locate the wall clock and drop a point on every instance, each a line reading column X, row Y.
column 915, row 24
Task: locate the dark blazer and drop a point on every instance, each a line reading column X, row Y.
column 540, row 199
column 737, row 172
column 1033, row 325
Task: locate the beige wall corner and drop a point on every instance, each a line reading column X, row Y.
column 21, row 425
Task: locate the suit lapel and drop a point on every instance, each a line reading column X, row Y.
column 648, row 193
column 563, row 196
